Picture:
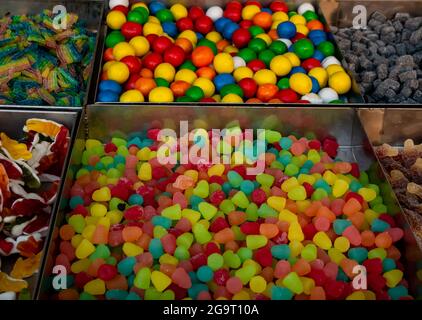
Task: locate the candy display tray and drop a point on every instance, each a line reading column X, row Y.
column 11, row 122
column 103, row 122
column 91, row 11
column 354, row 96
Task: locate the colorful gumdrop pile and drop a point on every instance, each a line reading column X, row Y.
column 30, row 172
column 242, row 53
column 138, row 229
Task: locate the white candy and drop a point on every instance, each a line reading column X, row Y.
column 305, row 7
column 214, row 12
column 328, row 95
column 238, row 62
column 287, row 42
column 329, row 61
column 312, row 98
column 8, row 295
column 114, row 3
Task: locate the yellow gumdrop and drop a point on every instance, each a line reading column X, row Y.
column 131, row 249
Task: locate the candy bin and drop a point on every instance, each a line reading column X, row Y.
column 174, row 202
column 48, row 52
column 33, row 155
column 386, row 56
column 221, row 52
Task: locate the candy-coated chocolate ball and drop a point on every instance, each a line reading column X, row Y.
column 165, row 70
column 300, row 83
column 340, row 82
column 174, row 55
column 223, row 63
column 132, row 96
column 286, row 30
column 115, row 19
column 161, row 95
column 123, row 49
column 118, row 71
column 280, row 65
column 265, row 76
column 214, row 12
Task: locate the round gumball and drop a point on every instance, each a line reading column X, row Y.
column 340, row 82
column 238, row 62
column 234, row 5
column 202, row 56
column 107, row 96
column 327, row 48
column 245, row 24
column 161, row 44
column 249, row 11
column 305, row 7
column 184, row 24
column 137, row 16
column 241, row 38
column 310, row 63
column 266, row 92
column 114, row 3
column 152, row 60
column 206, row 85
column 179, row 88
column 195, row 12
column 140, row 44
column 233, row 14
column 174, row 55
column 123, row 49
column 131, row 29
column 256, row 65
column 265, row 76
column 286, row 30
column 119, row 72
column 170, row 28
column 300, row 83
column 262, row 19
column 131, row 96
column 248, row 86
column 287, row 96
column 145, row 85
column 131, row 82
column 122, row 9
column 110, row 85
column 204, row 24
column 165, row 70
column 214, row 12
column 179, row 11
column 133, row 63
column 327, row 95
column 113, row 38
column 283, row 83
column 108, row 54
column 222, row 79
column 115, row 19
column 161, row 95
column 303, row 48
column 165, row 15
column 156, row 6
column 276, row 6
column 223, row 63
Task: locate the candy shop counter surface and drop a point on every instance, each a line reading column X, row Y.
column 12, row 122
column 57, row 79
column 105, row 122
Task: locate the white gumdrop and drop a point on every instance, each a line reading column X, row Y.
column 327, row 95
column 114, row 3
column 312, row 98
column 214, row 12
column 305, row 7
column 287, row 42
column 8, row 295
column 238, row 62
column 329, row 61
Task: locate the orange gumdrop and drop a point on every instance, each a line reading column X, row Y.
column 145, row 85
column 224, row 236
column 383, row 240
column 93, row 268
column 179, row 88
column 100, row 235
column 283, row 226
column 291, row 205
column 313, row 209
column 231, row 245
column 393, row 253
column 206, row 72
column 268, row 274
column 301, row 267
column 357, row 219
column 266, row 91
column 347, row 265
column 317, row 293
column 119, row 282
column 131, row 233
column 68, row 294
column 342, row 167
column 202, row 56
column 351, row 206
column 66, row 232
column 324, row 211
column 144, row 241
column 368, row 238
column 269, row 230
column 167, row 269
column 269, row 158
column 236, row 217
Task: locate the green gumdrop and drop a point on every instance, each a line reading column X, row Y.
column 86, row 296
column 113, row 173
column 244, row 253
column 81, row 172
column 102, row 251
column 107, row 160
column 232, row 260
column 143, row 278
column 167, row 295
column 240, row 200
column 117, row 204
column 252, row 212
column 272, row 136
column 215, row 261
column 256, row 241
column 245, row 273
column 319, row 194
column 185, row 240
column 227, row 206
column 181, row 253
column 238, row 234
column 122, row 150
column 152, row 294
column 201, row 234
column 118, row 142
column 309, row 252
column 77, row 221
column 265, row 211
column 265, row 179
column 202, row 189
column 277, row 165
column 293, row 283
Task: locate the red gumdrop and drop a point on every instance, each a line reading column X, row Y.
column 175, row 232
column 259, row 196
column 110, row 147
column 314, row 144
column 240, row 170
column 198, row 260
column 309, row 231
column 373, row 265
column 334, row 289
column 134, row 213
column 264, row 257
column 382, row 295
column 106, row 272
column 184, row 24
column 233, row 14
column 355, row 170
column 281, row 238
column 389, row 219
column 80, row 209
column 376, row 282
column 179, row 293
column 219, row 224
column 169, row 243
column 287, row 95
column 195, row 12
column 121, row 192
column 217, row 197
column 211, row 248
column 277, row 146
column 241, row 38
column 309, row 189
column 216, row 179
column 204, row 24
column 330, row 146
column 256, row 65
column 355, row 195
column 159, row 172
column 318, row 276
column 153, row 133
column 221, row 276
column 63, row 260
column 250, row 228
column 82, row 278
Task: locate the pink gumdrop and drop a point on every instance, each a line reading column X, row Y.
column 276, row 191
column 134, row 213
column 331, row 270
column 149, row 212
column 395, row 233
column 221, row 292
column 337, row 206
column 273, row 220
column 91, row 187
column 63, row 260
column 169, row 243
column 195, row 249
column 131, row 175
column 181, row 278
column 131, row 161
column 326, row 202
column 317, row 168
column 325, row 158
column 77, row 190
column 186, row 265
column 145, row 259
column 323, row 255
column 148, row 228
column 317, row 264
column 164, row 201
column 259, row 196
column 297, row 148
column 115, row 238
column 67, row 249
column 353, row 235
column 234, row 285
column 204, row 295
column 322, row 223
column 282, row 268
column 183, row 225
column 180, row 198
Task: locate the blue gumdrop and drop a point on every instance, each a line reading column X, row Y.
column 136, row 199
column 388, row 264
column 342, row 276
column 136, row 141
column 247, row 187
column 133, row 296
column 280, row 251
column 234, row 178
column 195, row 201
column 339, row 225
column 116, row 294
column 76, row 200
column 286, row 143
column 204, row 273
column 379, row 225
column 156, row 248
column 196, row 289
column 398, row 292
column 125, row 266
column 281, row 293
column 358, row 254
column 226, row 187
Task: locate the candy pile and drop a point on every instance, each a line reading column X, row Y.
column 244, row 53
column 137, row 229
column 386, row 57
column 29, row 179
column 42, row 65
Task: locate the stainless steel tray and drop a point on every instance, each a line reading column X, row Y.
column 91, row 11
column 11, row 122
column 354, row 96
column 343, row 123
